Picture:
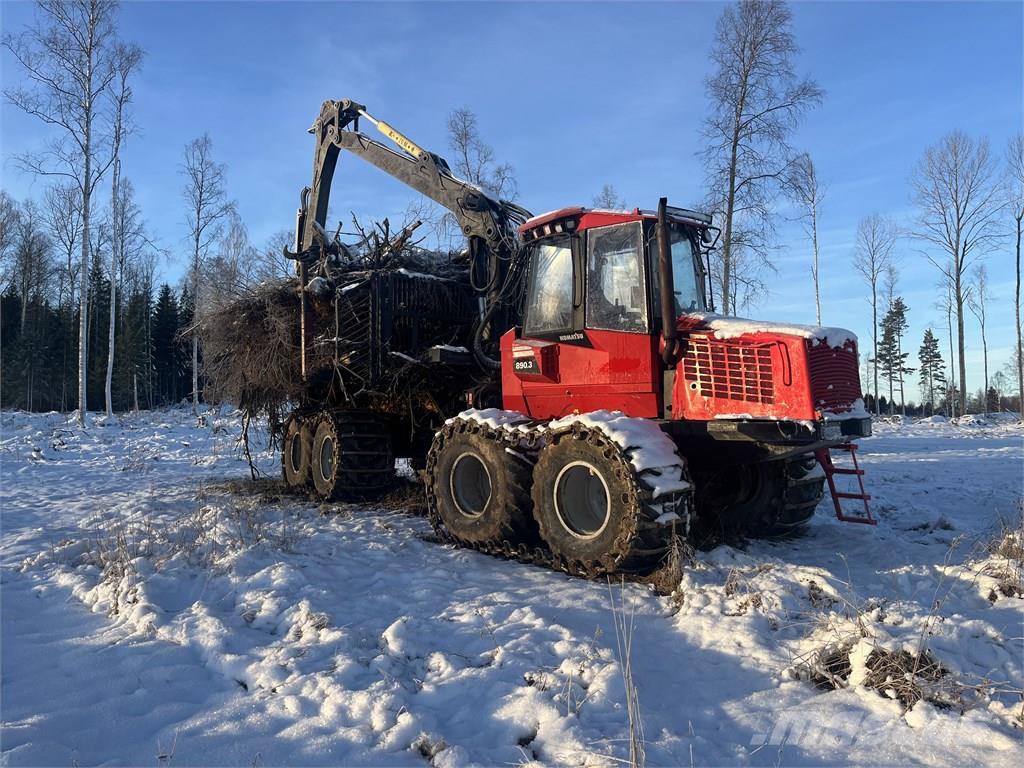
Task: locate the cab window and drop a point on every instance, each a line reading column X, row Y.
column 689, row 296
column 549, row 298
column 616, row 289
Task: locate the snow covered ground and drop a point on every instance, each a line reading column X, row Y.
column 158, row 611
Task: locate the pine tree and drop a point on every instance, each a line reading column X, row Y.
column 886, row 360
column 932, row 372
column 891, row 357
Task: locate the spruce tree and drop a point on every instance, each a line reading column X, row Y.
column 98, row 341
column 166, row 355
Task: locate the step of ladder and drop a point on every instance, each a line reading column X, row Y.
column 824, row 456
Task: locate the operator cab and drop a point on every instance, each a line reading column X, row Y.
column 598, row 270
column 592, row 310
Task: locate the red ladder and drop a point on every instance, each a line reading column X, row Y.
column 831, row 470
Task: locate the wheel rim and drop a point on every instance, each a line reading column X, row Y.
column 327, row 458
column 470, row 485
column 295, row 452
column 582, row 501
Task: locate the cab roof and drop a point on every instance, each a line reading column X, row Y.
column 585, row 218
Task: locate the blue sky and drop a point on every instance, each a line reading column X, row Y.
column 574, row 95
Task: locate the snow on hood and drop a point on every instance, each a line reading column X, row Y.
column 731, row 327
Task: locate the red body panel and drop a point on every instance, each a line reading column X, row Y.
column 758, row 375
column 619, row 371
column 835, row 376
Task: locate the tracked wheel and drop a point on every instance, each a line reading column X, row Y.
column 296, row 448
column 477, row 492
column 351, row 456
column 765, row 500
column 805, row 487
column 591, row 508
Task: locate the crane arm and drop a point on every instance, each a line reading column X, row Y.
column 489, row 225
column 490, row 222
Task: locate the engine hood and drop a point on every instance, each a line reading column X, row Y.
column 724, row 327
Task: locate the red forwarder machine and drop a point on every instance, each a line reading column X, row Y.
column 574, row 403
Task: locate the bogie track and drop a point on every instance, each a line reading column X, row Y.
column 632, row 541
column 761, row 500
column 563, row 495
column 350, row 456
column 296, row 445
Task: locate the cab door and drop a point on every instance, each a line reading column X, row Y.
column 587, row 342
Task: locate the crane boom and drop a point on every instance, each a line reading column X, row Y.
column 481, row 217
column 489, row 225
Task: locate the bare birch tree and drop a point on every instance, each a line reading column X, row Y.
column 890, row 281
column 270, row 262
column 208, row 206
column 805, row 188
column 232, row 269
column 63, row 215
column 977, row 299
column 947, row 305
column 876, row 237
column 474, row 159
column 10, row 218
column 67, row 55
column 1015, row 158
column 127, row 59
column 756, row 102
column 958, row 195
column 609, row 199
column 32, row 266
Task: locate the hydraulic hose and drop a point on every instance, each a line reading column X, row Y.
column 481, row 356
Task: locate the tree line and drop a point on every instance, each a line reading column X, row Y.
column 88, row 247
column 968, row 200
column 81, row 318
column 40, row 318
column 153, row 359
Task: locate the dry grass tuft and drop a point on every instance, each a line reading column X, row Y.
column 1007, row 552
column 910, row 678
column 829, row 667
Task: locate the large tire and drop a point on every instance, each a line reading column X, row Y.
column 805, row 487
column 351, row 456
column 591, row 509
column 296, row 446
column 764, row 500
column 476, row 492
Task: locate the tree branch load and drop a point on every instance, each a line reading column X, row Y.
column 389, row 329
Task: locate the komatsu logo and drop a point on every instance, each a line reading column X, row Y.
column 578, row 336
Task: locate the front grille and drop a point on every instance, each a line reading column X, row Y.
column 835, row 379
column 730, row 369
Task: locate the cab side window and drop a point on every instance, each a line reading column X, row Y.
column 616, row 288
column 549, row 299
